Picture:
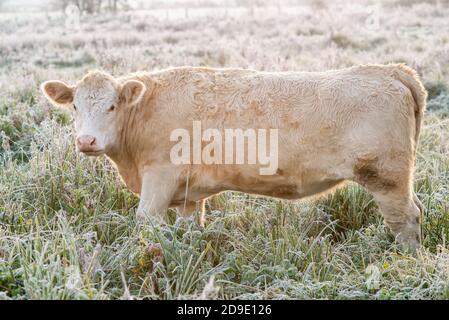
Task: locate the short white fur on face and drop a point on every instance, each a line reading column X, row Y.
column 95, row 113
column 96, row 100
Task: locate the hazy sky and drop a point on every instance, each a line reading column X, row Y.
column 40, row 4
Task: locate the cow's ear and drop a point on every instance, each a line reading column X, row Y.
column 132, row 92
column 57, row 92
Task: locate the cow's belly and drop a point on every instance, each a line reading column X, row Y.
column 290, row 189
column 293, row 191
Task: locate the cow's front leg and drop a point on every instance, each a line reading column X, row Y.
column 158, row 188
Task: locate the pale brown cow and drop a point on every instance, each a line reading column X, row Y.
column 360, row 124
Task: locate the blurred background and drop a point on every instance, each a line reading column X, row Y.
column 121, row 35
column 280, row 35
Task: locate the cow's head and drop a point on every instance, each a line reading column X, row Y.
column 98, row 103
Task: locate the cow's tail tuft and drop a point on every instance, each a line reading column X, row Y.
column 410, row 78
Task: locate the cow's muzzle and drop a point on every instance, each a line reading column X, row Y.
column 87, row 144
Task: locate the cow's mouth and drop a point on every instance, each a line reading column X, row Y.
column 93, row 153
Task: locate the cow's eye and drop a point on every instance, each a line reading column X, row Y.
column 111, row 108
column 74, row 107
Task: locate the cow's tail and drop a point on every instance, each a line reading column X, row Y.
column 410, row 79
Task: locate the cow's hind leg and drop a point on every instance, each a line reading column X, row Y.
column 421, row 214
column 402, row 216
column 391, row 186
column 190, row 208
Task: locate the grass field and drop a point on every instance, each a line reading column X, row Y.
column 67, row 223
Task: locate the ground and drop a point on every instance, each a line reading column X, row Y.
column 67, row 223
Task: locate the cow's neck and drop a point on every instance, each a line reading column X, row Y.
column 126, row 155
column 128, row 173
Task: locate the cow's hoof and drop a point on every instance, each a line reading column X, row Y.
column 143, row 218
column 409, row 244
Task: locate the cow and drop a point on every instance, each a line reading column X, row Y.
column 357, row 124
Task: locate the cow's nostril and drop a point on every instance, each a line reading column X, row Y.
column 86, row 142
